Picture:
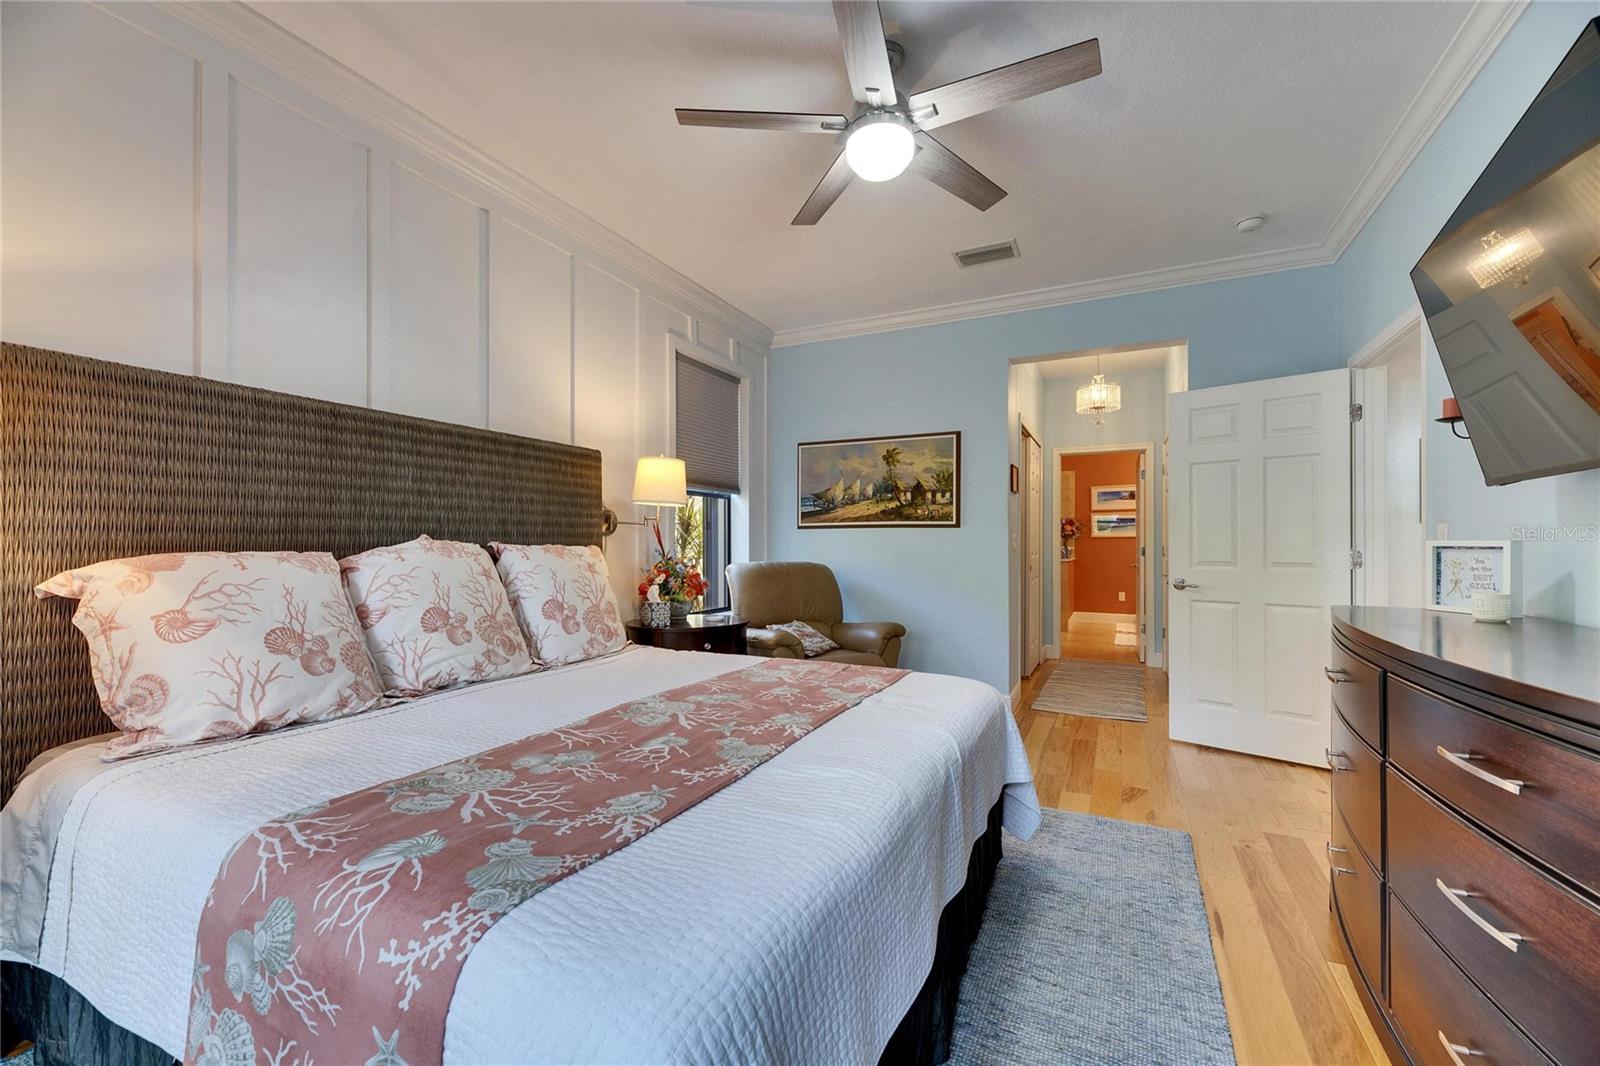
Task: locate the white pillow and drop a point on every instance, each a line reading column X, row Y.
column 196, row 646
column 435, row 615
column 562, row 596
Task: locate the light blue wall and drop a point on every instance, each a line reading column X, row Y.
column 1561, row 577
column 953, row 587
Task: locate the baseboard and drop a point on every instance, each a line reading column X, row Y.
column 1015, row 698
column 1100, row 616
column 1157, row 661
column 1052, row 652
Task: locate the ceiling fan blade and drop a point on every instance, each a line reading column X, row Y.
column 1018, row 81
column 866, row 55
column 826, row 192
column 785, row 121
column 955, row 175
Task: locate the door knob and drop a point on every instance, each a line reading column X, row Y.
column 1180, row 584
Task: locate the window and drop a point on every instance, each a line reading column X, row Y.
column 708, row 443
column 705, row 536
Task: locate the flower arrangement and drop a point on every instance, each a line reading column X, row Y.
column 1070, row 530
column 671, row 578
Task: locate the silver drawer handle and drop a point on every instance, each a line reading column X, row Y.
column 1459, row 759
column 1338, row 870
column 1329, row 754
column 1455, row 1051
column 1458, row 896
column 1336, row 676
column 1336, row 851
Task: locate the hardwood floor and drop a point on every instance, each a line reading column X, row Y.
column 1259, row 827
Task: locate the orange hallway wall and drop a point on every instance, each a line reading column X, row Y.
column 1105, row 565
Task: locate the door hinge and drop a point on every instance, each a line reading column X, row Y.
column 1356, row 559
column 1355, row 412
column 1141, row 551
column 1141, row 473
column 1141, row 628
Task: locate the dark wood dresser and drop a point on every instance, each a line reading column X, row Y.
column 1465, row 840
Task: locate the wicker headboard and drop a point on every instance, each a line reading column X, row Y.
column 101, row 460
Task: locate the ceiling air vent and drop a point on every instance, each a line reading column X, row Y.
column 988, row 253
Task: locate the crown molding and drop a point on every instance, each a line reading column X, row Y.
column 1485, row 26
column 256, row 36
column 1059, row 295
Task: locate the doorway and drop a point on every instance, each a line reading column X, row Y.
column 1103, row 550
column 1386, row 467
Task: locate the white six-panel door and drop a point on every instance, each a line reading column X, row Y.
column 1260, row 537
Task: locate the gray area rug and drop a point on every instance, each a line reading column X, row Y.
column 1094, row 690
column 1094, row 950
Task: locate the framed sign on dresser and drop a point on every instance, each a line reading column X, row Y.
column 1464, row 845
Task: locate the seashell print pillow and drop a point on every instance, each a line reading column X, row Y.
column 195, row 646
column 435, row 615
column 812, row 642
column 563, row 598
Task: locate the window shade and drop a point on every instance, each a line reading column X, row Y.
column 708, row 425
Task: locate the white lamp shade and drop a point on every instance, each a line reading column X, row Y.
column 661, row 482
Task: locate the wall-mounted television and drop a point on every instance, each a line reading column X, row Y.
column 1511, row 286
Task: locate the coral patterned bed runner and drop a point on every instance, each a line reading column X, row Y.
column 335, row 933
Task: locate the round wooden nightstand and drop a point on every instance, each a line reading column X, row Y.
column 721, row 633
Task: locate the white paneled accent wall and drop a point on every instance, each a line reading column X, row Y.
column 190, row 188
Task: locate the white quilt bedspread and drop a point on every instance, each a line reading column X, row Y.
column 789, row 918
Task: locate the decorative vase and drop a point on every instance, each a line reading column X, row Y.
column 656, row 615
column 680, row 609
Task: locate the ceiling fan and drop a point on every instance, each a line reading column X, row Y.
column 889, row 132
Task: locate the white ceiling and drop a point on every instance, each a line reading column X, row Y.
column 1206, row 112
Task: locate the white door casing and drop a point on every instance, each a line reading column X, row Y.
column 1260, row 496
column 1142, row 510
column 1033, row 563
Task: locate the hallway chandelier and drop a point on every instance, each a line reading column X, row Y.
column 1505, row 259
column 1099, row 396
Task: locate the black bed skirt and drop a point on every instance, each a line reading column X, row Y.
column 67, row 1031
column 923, row 1036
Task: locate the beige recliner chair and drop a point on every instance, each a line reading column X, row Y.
column 766, row 594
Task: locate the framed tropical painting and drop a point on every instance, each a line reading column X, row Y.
column 911, row 481
column 1114, row 524
column 1114, row 498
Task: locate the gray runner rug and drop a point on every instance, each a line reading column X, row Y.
column 1094, row 690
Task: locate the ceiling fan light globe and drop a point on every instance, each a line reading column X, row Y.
column 880, row 148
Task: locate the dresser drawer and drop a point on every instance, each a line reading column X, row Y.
column 1537, row 793
column 1547, row 975
column 1358, row 693
column 1436, row 1005
column 1357, row 788
column 1358, row 896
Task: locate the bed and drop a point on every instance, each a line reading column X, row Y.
column 816, row 910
